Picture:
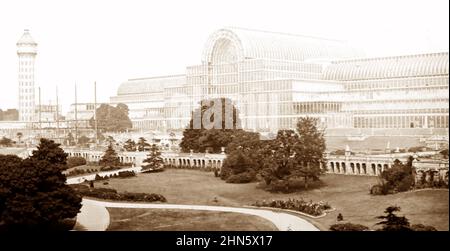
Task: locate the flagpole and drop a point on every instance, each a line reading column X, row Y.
column 95, row 112
column 76, row 116
column 57, row 114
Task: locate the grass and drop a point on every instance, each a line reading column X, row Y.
column 348, row 194
column 123, row 219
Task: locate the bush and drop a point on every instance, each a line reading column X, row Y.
column 75, row 172
column 126, row 174
column 98, row 177
column 112, row 194
column 348, row 227
column 109, row 168
column 308, row 207
column 416, row 149
column 75, row 161
column 421, row 227
column 244, row 177
column 405, row 184
column 444, row 153
column 380, row 189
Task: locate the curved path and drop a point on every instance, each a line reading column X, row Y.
column 95, row 217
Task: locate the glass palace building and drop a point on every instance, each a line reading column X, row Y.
column 275, row 78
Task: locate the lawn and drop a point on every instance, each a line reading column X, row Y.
column 348, row 194
column 123, row 219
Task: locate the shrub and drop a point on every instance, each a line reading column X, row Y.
column 75, row 161
column 444, row 153
column 112, row 194
column 405, row 184
column 80, row 188
column 380, row 189
column 126, row 174
column 301, row 205
column 415, row 149
column 279, row 186
column 109, row 168
column 421, row 227
column 98, row 177
column 244, row 177
column 348, row 227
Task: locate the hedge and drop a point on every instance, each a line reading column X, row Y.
column 112, row 194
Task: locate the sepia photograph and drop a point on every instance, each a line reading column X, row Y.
column 224, row 116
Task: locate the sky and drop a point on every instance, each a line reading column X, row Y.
column 83, row 41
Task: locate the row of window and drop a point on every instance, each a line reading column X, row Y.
column 316, row 107
column 265, row 86
column 26, row 69
column 26, row 76
column 23, row 61
column 401, row 122
column 396, row 83
column 396, row 111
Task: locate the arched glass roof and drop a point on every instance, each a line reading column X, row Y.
column 388, row 67
column 240, row 44
column 146, row 85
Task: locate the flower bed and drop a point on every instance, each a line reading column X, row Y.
column 301, row 205
column 112, row 194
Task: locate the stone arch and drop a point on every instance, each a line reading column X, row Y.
column 364, row 168
column 379, row 169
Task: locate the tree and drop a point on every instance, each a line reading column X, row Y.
column 110, row 140
column 110, row 158
column 400, row 176
column 33, row 193
column 142, row 144
column 279, row 156
column 6, row 142
column 83, row 140
column 172, row 138
column 130, row 145
column 392, row 222
column 235, row 163
column 19, row 136
column 70, row 140
column 75, row 161
column 48, row 150
column 112, row 119
column 444, row 153
column 154, row 159
column 293, row 154
column 202, row 139
column 310, row 152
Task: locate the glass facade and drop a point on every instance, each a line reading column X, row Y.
column 273, row 79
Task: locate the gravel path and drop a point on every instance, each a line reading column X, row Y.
column 95, row 217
